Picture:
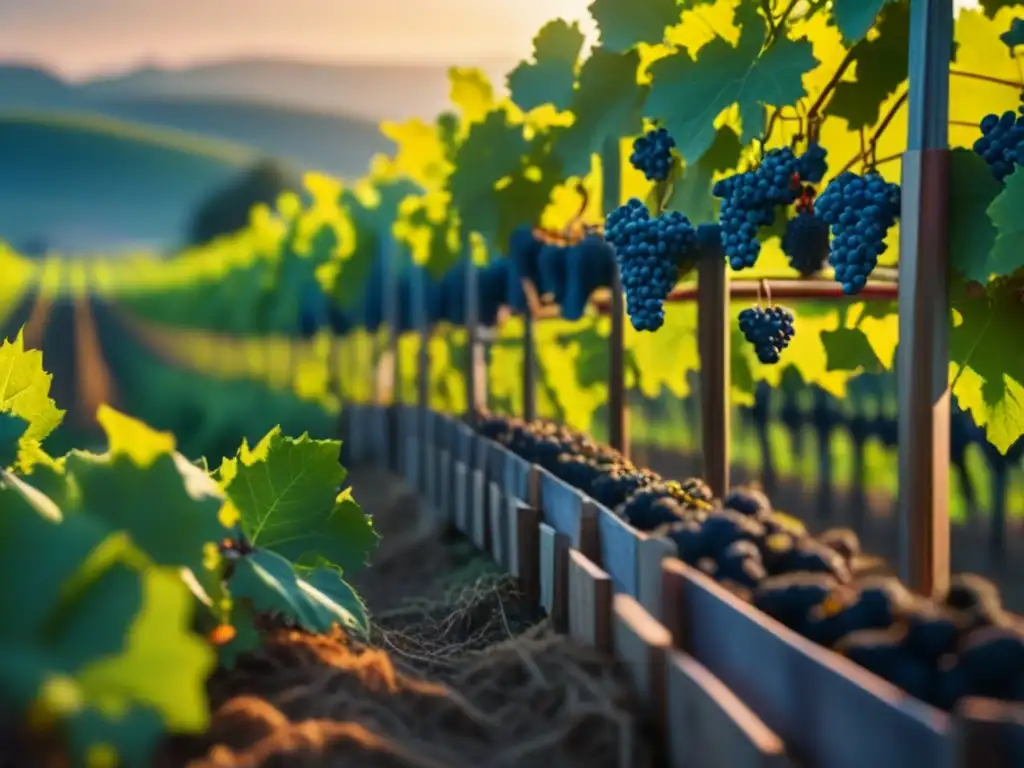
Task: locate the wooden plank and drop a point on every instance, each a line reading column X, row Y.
column 640, row 643
column 479, row 515
column 650, row 552
column 620, row 545
column 988, row 733
column 590, row 603
column 571, row 513
column 821, row 704
column 548, row 537
column 497, row 512
column 446, row 492
column 922, row 357
column 460, row 482
column 525, row 548
column 709, row 727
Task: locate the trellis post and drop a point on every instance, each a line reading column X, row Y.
column 922, row 362
column 476, row 373
column 529, row 367
column 611, row 191
column 713, row 329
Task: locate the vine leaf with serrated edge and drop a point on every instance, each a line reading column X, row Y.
column 493, row 150
column 551, row 76
column 688, row 94
column 691, row 193
column 626, row 23
column 25, row 394
column 848, row 349
column 854, row 18
column 990, row 382
column 881, row 65
column 286, row 494
column 608, row 104
column 1007, row 253
column 271, row 584
column 972, row 233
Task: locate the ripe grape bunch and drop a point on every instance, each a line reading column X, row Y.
column 649, row 252
column 860, row 210
column 652, row 154
column 769, row 330
column 749, row 200
column 1001, row 144
column 805, row 240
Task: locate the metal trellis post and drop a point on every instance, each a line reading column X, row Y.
column 922, row 363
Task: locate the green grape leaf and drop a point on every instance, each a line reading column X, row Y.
column 247, row 637
column 25, row 389
column 493, row 150
column 1014, row 36
column 550, row 77
column 848, row 349
column 286, row 493
column 12, row 429
column 151, row 504
column 625, row 23
column 992, row 7
column 855, row 17
column 1007, row 254
column 987, row 381
column 328, row 581
column 691, row 194
column 164, row 665
column 689, row 94
column 881, row 65
column 350, row 283
column 972, row 235
column 270, row 584
column 608, row 104
column 40, row 554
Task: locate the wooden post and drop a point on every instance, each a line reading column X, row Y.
column 611, row 190
column 922, row 363
column 529, row 368
column 713, row 331
column 476, row 374
column 423, row 354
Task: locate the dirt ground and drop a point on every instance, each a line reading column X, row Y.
column 459, row 672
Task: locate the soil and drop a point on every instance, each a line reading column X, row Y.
column 459, row 671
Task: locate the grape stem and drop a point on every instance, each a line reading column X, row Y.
column 830, row 86
column 986, row 78
column 867, row 152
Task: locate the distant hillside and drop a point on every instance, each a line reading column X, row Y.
column 84, row 183
column 370, row 91
column 336, row 144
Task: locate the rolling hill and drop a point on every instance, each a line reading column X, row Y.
column 80, row 182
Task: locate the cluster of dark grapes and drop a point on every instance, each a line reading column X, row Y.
column 589, row 265
column 805, row 240
column 749, row 200
column 649, row 251
column 492, row 290
column 1001, row 143
column 769, row 330
column 860, row 210
column 652, row 154
column 823, row 586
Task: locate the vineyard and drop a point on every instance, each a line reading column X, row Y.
column 679, row 384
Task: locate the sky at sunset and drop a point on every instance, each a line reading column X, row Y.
column 80, row 38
